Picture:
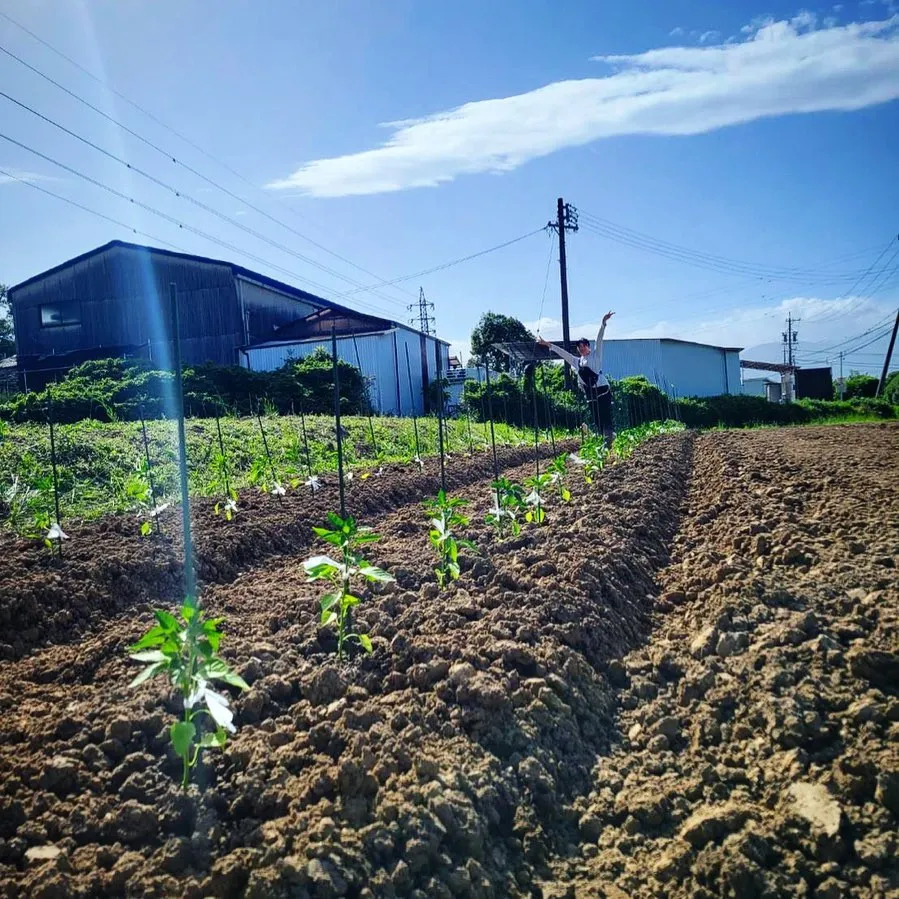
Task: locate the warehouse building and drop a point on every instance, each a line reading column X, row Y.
column 113, row 301
column 679, row 367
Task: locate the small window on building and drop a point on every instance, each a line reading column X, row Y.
column 55, row 315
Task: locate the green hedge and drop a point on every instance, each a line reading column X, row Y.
column 740, row 411
column 120, row 390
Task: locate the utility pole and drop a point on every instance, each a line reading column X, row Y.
column 424, row 320
column 842, row 382
column 566, row 220
column 789, row 339
column 889, row 356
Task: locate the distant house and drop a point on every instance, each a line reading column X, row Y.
column 114, row 301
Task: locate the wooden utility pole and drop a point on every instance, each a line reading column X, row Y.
column 889, row 356
column 566, row 218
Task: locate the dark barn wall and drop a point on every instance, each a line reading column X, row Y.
column 265, row 309
column 122, row 295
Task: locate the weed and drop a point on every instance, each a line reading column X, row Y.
column 186, row 652
column 336, row 606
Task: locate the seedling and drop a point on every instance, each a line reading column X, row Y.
column 261, row 477
column 221, row 478
column 186, row 652
column 592, row 458
column 336, row 606
column 558, row 469
column 445, row 515
column 508, row 504
column 539, row 484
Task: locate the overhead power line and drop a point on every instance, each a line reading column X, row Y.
column 675, row 252
column 180, row 194
column 165, row 153
column 182, row 225
column 445, row 265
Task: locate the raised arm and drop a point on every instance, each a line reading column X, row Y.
column 599, row 337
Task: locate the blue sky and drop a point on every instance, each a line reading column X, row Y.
column 764, row 137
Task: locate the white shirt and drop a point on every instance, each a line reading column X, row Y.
column 593, row 359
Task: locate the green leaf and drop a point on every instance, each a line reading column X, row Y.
column 454, row 570
column 166, row 620
column 218, row 670
column 182, row 734
column 321, row 532
column 151, row 655
column 213, row 741
column 566, row 494
column 367, row 537
column 154, row 637
column 347, row 601
column 147, row 673
column 364, row 641
column 373, row 573
column 328, row 617
column 146, row 529
column 328, row 600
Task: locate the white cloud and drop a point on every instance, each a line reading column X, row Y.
column 16, row 176
column 677, row 31
column 709, row 37
column 837, row 7
column 776, row 68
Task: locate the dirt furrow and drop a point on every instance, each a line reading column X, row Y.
column 758, row 730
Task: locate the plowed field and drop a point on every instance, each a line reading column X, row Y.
column 685, row 684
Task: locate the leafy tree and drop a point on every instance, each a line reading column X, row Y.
column 7, row 335
column 497, row 328
column 858, row 386
column 891, row 389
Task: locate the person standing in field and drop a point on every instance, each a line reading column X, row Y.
column 587, row 365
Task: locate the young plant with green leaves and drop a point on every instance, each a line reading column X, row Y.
column 262, row 479
column 592, row 458
column 445, row 515
column 540, row 485
column 185, row 651
column 558, row 470
column 336, row 606
column 508, row 506
column 220, row 482
column 136, row 495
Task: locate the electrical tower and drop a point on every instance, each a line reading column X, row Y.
column 423, row 319
column 566, row 220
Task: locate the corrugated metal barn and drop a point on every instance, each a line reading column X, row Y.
column 113, row 301
column 676, row 366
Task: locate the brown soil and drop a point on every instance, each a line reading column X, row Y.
column 684, row 684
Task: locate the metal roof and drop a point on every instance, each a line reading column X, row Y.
column 237, row 270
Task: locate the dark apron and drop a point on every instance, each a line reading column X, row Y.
column 588, row 379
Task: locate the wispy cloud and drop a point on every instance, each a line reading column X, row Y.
column 15, row 176
column 775, row 68
column 677, row 31
column 709, row 37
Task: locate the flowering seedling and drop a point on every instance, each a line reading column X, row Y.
column 261, row 477
column 508, row 504
column 186, row 652
column 445, row 515
column 336, row 606
column 539, row 484
column 558, row 469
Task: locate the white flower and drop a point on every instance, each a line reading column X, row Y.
column 555, row 477
column 578, row 460
column 349, row 476
column 533, row 498
column 278, row 489
column 230, row 505
column 313, row 483
column 418, row 461
column 379, row 472
column 215, row 703
column 157, row 511
column 56, row 532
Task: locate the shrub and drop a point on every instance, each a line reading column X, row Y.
column 119, row 389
